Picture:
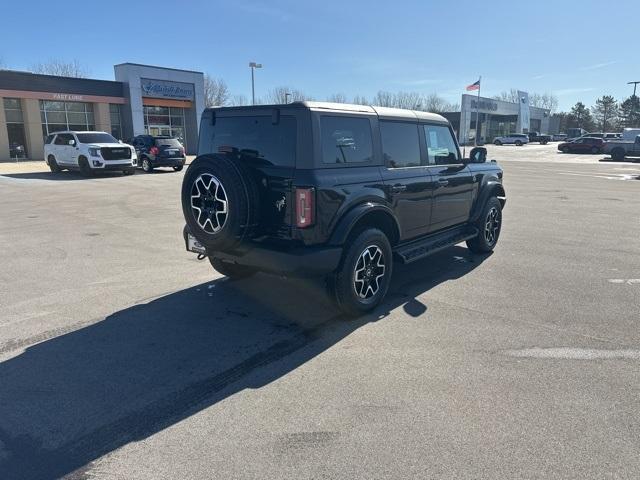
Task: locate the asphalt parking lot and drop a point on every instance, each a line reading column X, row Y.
column 123, row 356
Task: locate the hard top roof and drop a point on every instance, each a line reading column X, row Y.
column 382, row 112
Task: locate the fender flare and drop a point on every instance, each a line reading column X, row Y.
column 344, row 226
column 490, row 189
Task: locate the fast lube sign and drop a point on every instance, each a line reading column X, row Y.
column 165, row 89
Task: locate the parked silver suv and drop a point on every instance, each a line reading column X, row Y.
column 512, row 138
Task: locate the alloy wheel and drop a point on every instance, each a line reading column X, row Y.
column 492, row 226
column 368, row 272
column 209, row 203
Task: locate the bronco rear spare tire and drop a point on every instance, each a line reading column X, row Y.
column 220, row 201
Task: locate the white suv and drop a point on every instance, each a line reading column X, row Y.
column 515, row 138
column 88, row 152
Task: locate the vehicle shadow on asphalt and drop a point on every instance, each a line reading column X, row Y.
column 69, row 400
column 62, row 176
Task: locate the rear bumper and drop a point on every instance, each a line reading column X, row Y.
column 168, row 162
column 298, row 262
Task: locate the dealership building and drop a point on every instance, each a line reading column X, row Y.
column 143, row 99
column 497, row 117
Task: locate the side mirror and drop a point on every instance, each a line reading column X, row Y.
column 478, row 155
column 72, row 142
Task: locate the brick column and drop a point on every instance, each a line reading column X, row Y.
column 33, row 128
column 4, row 136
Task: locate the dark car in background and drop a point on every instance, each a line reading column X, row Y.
column 583, row 145
column 156, row 152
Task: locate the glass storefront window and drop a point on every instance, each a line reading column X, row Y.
column 116, row 122
column 57, row 116
column 165, row 121
column 15, row 128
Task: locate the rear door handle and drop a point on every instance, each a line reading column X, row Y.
column 397, row 188
column 443, row 182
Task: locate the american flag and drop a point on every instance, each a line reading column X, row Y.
column 473, row 86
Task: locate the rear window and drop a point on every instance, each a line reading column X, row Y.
column 257, row 139
column 346, row 140
column 168, row 142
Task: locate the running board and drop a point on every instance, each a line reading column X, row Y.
column 418, row 249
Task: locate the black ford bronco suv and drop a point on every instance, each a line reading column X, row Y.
column 335, row 190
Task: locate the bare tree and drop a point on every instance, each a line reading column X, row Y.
column 508, row 96
column 545, row 100
column 216, row 92
column 238, row 100
column 60, row 68
column 337, row 98
column 436, row 104
column 384, row 99
column 284, row 94
column 360, row 100
column 408, row 100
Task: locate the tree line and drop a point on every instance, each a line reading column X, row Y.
column 606, row 115
column 217, row 93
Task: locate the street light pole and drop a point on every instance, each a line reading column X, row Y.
column 253, row 66
column 635, row 84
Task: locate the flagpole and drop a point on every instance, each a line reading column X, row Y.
column 478, row 111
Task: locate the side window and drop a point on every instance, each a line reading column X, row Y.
column 63, row 139
column 346, row 139
column 440, row 145
column 49, row 139
column 400, row 144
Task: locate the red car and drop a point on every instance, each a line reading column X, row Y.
column 583, row 145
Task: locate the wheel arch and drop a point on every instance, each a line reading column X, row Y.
column 363, row 216
column 492, row 188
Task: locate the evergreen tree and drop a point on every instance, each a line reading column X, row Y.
column 605, row 112
column 630, row 112
column 579, row 117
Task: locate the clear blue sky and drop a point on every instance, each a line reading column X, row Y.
column 577, row 49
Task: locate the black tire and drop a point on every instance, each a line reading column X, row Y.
column 53, row 165
column 489, row 230
column 497, row 142
column 618, row 154
column 177, row 168
column 224, row 209
column 146, row 165
column 544, row 142
column 347, row 289
column 595, row 150
column 85, row 169
column 129, row 171
column 565, row 149
column 231, row 270
column 518, row 143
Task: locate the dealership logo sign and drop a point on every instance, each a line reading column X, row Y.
column 484, row 105
column 163, row 89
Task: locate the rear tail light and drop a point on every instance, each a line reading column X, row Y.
column 154, row 150
column 182, row 151
column 305, row 207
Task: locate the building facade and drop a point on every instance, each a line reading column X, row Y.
column 142, row 99
column 496, row 117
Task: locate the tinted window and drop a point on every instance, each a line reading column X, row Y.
column 400, row 144
column 346, row 139
column 49, row 139
column 440, row 145
column 168, row 142
column 255, row 139
column 63, row 139
column 96, row 138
